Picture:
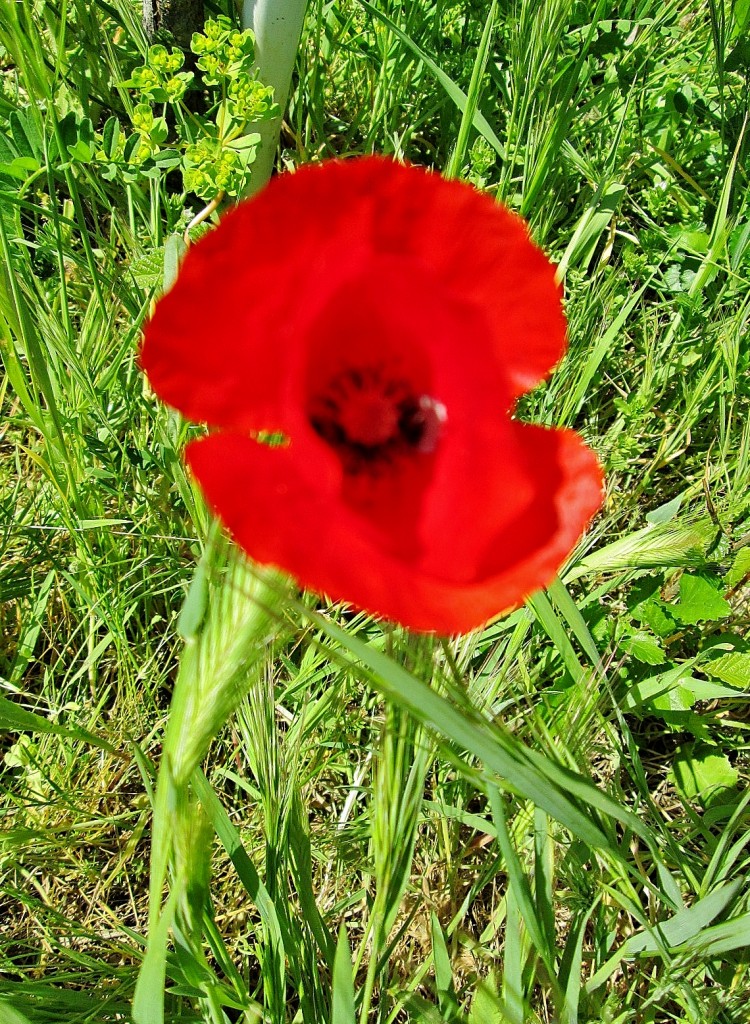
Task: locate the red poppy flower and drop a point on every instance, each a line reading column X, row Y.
column 384, row 320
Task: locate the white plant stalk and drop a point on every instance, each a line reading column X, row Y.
column 277, row 26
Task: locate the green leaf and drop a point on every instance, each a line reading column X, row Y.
column 514, row 961
column 446, row 994
column 245, row 141
column 247, row 873
column 701, row 772
column 655, row 615
column 664, row 692
column 342, row 1010
column 704, row 689
column 20, row 167
column 741, row 11
column 485, row 1006
column 740, row 568
column 246, row 148
column 646, row 606
column 645, row 648
column 592, row 224
column 721, row 938
column 687, row 926
column 15, row 719
column 147, row 270
column 700, row 601
column 739, row 56
column 148, row 1001
column 677, row 699
column 472, row 99
column 26, row 133
column 31, row 630
column 8, row 1015
column 194, row 606
column 519, row 883
column 132, row 144
column 174, row 250
column 82, row 148
column 675, row 690
column 571, row 974
column 664, row 513
column 110, row 137
column 731, row 668
column 558, row 634
column 167, row 159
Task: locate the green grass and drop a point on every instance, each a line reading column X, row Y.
column 545, row 821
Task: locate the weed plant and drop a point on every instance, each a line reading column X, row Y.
column 544, row 821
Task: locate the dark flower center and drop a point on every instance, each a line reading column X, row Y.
column 371, row 418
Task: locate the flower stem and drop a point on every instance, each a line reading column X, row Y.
column 277, row 26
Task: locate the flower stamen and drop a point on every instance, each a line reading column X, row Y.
column 371, row 419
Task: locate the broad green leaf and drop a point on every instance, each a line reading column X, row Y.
column 249, row 142
column 20, row 167
column 83, row 147
column 741, row 12
column 730, row 668
column 174, row 250
column 738, row 58
column 26, row 133
column 740, row 567
column 342, row 999
column 485, row 1006
column 702, row 772
column 661, row 691
column 194, row 606
column 111, row 134
column 148, row 269
column 645, row 648
column 721, row 938
column 699, row 601
column 9, row 1015
column 664, row 513
column 652, row 612
column 705, row 689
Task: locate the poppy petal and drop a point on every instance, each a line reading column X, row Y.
column 225, row 341
column 275, row 500
column 384, row 320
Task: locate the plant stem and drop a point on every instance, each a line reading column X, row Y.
column 180, row 17
column 277, row 26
